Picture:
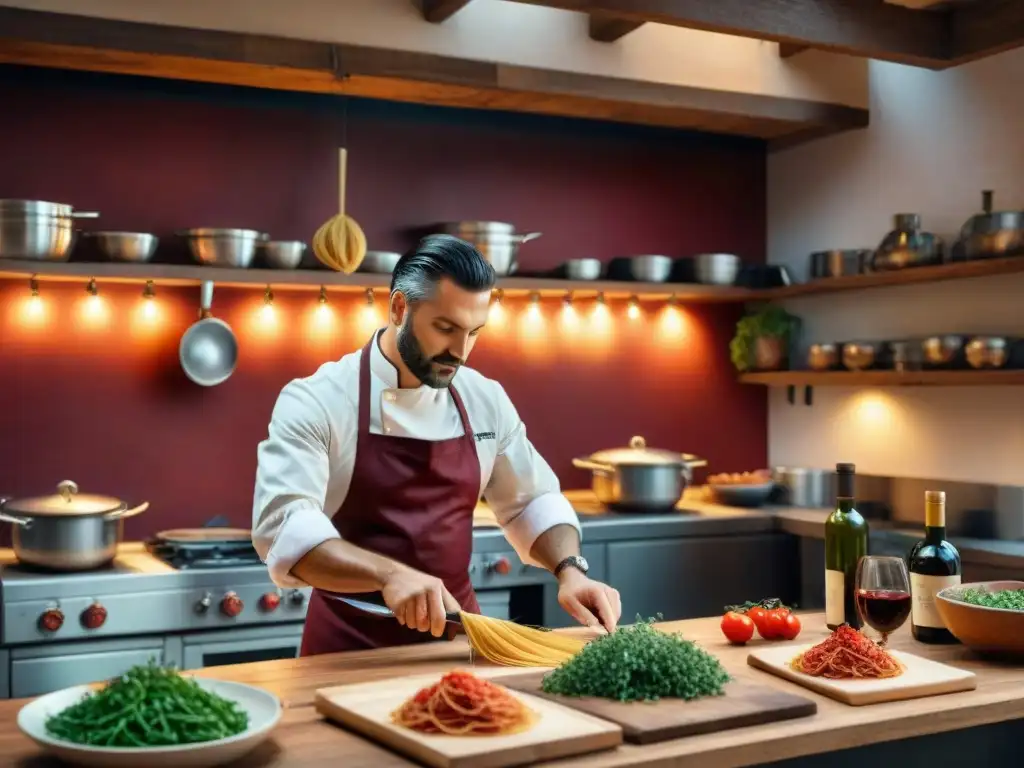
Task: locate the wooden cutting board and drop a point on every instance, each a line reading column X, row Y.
column 559, row 732
column 742, row 704
column 922, row 677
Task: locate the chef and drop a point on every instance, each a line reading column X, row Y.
column 367, row 481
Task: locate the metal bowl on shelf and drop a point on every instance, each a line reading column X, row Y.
column 284, row 254
column 822, row 357
column 988, row 351
column 942, row 350
column 860, row 355
column 583, row 269
column 380, row 262
column 135, row 247
column 215, row 247
column 497, row 241
column 716, row 268
column 650, row 269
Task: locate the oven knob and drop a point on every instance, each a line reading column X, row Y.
column 500, row 566
column 270, row 601
column 297, row 597
column 204, row 603
column 231, row 605
column 94, row 616
column 51, row 620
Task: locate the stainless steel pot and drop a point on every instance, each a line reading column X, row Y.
column 137, row 247
column 991, row 233
column 38, row 230
column 496, row 240
column 802, row 487
column 639, row 478
column 67, row 531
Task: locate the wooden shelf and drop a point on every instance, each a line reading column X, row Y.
column 299, row 279
column 971, row 378
column 961, row 270
column 65, row 41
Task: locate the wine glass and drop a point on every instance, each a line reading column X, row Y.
column 883, row 594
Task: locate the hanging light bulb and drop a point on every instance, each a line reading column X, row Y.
column 496, row 313
column 34, row 310
column 600, row 298
column 267, row 312
column 323, row 311
column 369, row 297
column 534, row 310
column 567, row 301
column 323, row 296
column 633, row 312
column 149, row 309
column 673, row 300
column 94, row 310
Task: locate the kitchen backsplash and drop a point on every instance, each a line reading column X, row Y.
column 103, row 402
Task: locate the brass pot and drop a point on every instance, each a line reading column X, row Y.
column 769, row 353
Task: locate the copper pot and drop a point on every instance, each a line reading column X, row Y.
column 769, row 353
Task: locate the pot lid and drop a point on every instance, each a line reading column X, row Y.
column 638, row 454
column 67, row 501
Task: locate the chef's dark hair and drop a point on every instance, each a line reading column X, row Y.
column 437, row 256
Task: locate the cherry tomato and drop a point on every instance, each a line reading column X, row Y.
column 759, row 616
column 791, row 628
column 737, row 627
column 776, row 624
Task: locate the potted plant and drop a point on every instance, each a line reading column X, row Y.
column 763, row 339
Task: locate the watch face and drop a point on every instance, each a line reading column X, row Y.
column 582, row 562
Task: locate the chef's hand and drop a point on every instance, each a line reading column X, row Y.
column 590, row 602
column 418, row 600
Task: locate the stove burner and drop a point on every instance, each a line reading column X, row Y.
column 204, row 554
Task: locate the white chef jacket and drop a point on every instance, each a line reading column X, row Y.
column 305, row 465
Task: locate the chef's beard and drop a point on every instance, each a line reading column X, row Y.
column 419, row 365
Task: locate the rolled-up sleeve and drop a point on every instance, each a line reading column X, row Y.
column 523, row 491
column 291, row 484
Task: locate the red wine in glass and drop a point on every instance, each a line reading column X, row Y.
column 883, row 610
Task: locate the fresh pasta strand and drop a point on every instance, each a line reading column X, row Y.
column 513, row 645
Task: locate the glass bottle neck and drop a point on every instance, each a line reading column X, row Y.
column 934, row 534
column 845, row 504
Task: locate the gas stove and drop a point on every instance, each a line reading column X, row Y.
column 141, row 594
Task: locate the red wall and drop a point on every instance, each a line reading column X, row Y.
column 104, row 402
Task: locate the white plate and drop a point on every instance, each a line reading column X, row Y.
column 263, row 708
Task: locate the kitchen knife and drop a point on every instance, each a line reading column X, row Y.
column 382, row 610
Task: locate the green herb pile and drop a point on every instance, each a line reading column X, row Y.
column 149, row 706
column 639, row 663
column 1008, row 599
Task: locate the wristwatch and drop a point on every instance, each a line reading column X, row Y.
column 576, row 561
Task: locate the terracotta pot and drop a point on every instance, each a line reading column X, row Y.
column 769, row 353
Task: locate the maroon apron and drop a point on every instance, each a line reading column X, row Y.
column 412, row 501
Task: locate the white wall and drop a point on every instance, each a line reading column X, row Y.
column 508, row 32
column 935, row 141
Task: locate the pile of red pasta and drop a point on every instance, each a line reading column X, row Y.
column 847, row 654
column 462, row 704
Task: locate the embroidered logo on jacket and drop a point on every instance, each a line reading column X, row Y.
column 484, row 436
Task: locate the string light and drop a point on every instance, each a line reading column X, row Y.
column 600, row 298
column 534, row 310
column 673, row 300
column 567, row 301
column 34, row 312
column 496, row 313
column 95, row 310
column 33, row 287
column 267, row 312
column 149, row 308
column 369, row 297
column 323, row 296
column 633, row 312
column 91, row 288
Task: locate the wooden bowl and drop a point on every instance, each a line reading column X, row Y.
column 984, row 630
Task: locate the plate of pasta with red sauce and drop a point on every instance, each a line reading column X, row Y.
column 848, row 666
column 455, row 719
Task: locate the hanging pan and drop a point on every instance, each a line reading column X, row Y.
column 208, row 349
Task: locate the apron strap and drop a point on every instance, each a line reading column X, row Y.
column 364, row 394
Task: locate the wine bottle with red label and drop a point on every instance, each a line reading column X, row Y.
column 934, row 564
column 846, row 542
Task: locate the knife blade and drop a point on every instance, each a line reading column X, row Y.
column 382, row 610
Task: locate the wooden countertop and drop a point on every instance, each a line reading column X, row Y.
column 304, row 740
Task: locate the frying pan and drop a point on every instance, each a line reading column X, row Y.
column 208, row 349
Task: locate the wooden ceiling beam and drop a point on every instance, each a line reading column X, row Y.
column 437, row 11
column 608, row 29
column 63, row 41
column 869, row 28
column 984, row 29
column 787, row 50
